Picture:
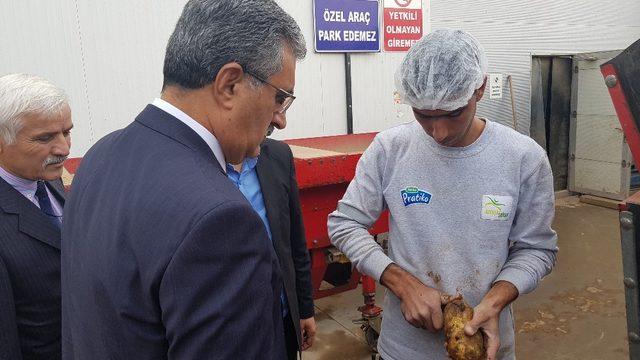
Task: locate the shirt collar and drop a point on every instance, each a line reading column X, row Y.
column 207, row 136
column 247, row 165
column 18, row 183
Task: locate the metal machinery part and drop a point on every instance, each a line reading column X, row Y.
column 622, row 77
column 371, row 321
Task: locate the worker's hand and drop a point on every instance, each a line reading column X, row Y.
column 487, row 320
column 486, row 316
column 421, row 305
column 308, row 330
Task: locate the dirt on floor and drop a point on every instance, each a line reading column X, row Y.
column 578, row 311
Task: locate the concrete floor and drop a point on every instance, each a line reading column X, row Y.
column 577, row 312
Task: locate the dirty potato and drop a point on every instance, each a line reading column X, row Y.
column 460, row 346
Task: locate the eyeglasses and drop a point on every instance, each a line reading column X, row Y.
column 283, row 97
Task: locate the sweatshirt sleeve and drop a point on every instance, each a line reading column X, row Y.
column 533, row 249
column 362, row 204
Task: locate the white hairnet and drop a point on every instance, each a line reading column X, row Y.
column 441, row 71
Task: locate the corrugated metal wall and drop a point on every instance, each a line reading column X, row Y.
column 514, row 30
column 108, row 55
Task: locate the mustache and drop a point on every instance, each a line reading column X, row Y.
column 53, row 160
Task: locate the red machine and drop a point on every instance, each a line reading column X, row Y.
column 324, row 168
column 622, row 77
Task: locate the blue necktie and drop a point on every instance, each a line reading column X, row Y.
column 45, row 203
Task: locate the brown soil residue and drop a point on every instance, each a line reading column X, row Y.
column 434, row 276
column 590, row 300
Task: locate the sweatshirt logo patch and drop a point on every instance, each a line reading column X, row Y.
column 413, row 195
column 496, row 207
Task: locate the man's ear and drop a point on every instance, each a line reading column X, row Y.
column 480, row 90
column 225, row 86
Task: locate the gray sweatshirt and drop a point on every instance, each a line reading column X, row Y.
column 460, row 220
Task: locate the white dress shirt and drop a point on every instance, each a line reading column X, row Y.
column 208, row 137
column 28, row 189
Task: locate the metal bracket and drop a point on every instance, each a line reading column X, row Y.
column 630, row 272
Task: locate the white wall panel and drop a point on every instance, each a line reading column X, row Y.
column 108, row 55
column 513, row 30
column 320, row 106
column 373, row 85
column 599, row 152
column 42, row 37
column 123, row 44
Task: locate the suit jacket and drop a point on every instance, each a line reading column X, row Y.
column 29, row 277
column 277, row 177
column 162, row 257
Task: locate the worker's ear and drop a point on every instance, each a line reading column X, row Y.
column 480, row 91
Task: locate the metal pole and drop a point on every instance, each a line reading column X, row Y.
column 513, row 104
column 347, row 75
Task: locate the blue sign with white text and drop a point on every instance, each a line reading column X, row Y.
column 346, row 25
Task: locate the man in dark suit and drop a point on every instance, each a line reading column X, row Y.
column 269, row 184
column 162, row 257
column 35, row 121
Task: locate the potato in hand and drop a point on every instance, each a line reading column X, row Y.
column 460, row 346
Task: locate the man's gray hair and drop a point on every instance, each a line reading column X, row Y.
column 24, row 94
column 212, row 33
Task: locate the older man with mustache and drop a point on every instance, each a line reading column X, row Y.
column 35, row 125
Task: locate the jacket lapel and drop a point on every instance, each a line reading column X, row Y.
column 268, row 185
column 31, row 221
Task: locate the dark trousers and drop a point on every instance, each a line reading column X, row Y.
column 290, row 338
